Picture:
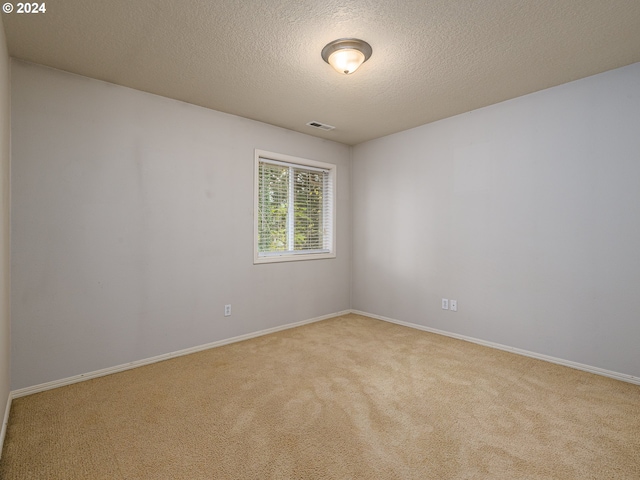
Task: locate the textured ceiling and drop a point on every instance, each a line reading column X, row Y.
column 260, row 59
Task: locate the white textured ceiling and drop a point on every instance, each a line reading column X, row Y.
column 260, row 59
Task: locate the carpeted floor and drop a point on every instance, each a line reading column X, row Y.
column 345, row 398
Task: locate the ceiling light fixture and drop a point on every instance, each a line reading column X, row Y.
column 346, row 54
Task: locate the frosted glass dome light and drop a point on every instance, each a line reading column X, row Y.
column 346, row 54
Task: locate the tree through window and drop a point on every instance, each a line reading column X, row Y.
column 294, row 208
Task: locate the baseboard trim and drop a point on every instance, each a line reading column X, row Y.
column 5, row 422
column 22, row 392
column 567, row 363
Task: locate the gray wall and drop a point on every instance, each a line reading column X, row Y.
column 133, row 226
column 526, row 212
column 5, row 132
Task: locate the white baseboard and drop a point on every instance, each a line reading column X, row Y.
column 139, row 363
column 567, row 363
column 5, row 422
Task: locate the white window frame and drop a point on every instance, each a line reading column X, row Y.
column 273, row 257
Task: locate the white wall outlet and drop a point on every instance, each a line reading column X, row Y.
column 445, row 304
column 453, row 305
column 227, row 310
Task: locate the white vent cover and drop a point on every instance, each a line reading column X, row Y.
column 321, row 126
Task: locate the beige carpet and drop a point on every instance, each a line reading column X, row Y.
column 346, row 398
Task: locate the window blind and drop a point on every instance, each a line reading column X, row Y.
column 294, row 209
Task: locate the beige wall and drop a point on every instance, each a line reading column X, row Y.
column 525, row 212
column 5, row 150
column 133, row 227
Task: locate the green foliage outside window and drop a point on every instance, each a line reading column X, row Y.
column 290, row 208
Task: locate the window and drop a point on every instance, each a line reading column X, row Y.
column 294, row 208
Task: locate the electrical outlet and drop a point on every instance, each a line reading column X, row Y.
column 227, row 310
column 453, row 305
column 445, row 304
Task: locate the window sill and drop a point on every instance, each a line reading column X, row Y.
column 292, row 258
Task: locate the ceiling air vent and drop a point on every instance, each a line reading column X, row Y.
column 321, row 126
